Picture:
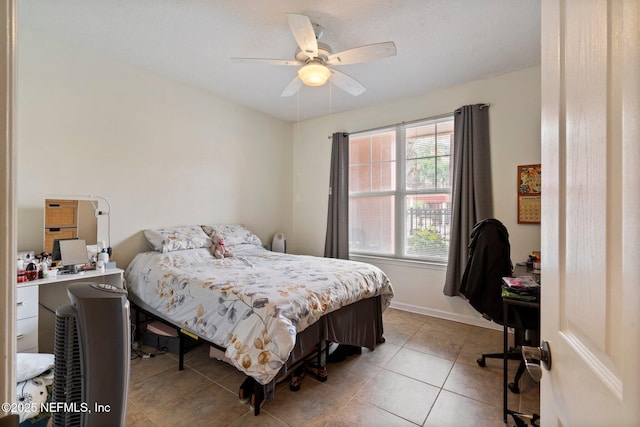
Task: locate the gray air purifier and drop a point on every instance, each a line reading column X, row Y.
column 279, row 243
column 92, row 354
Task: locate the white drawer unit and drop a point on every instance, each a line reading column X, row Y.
column 27, row 335
column 27, row 301
column 27, row 318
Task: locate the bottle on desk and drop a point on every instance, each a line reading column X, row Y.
column 31, row 271
column 43, row 271
column 21, row 273
column 104, row 256
column 103, row 259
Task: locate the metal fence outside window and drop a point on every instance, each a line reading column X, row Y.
column 428, row 230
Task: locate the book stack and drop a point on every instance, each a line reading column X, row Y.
column 521, row 287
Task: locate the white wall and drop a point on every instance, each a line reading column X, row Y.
column 168, row 154
column 163, row 153
column 515, row 140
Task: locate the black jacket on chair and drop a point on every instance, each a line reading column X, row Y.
column 489, row 260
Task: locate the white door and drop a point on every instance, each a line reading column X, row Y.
column 591, row 212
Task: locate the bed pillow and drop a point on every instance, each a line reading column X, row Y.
column 31, row 365
column 177, row 238
column 232, row 235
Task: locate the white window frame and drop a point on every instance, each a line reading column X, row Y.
column 400, row 193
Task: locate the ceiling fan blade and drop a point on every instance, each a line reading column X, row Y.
column 302, row 30
column 363, row 53
column 267, row 61
column 292, row 87
column 346, row 83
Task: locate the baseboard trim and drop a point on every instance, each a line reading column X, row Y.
column 475, row 321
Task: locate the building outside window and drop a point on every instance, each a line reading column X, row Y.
column 400, row 190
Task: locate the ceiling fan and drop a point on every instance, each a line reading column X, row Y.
column 314, row 58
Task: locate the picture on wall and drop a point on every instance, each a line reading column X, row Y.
column 529, row 194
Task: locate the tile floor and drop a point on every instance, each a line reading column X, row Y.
column 425, row 374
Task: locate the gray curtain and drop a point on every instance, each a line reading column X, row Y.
column 472, row 196
column 337, row 240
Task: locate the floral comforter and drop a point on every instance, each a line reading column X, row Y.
column 254, row 303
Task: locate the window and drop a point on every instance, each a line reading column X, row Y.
column 402, row 208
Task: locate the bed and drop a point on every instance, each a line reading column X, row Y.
column 266, row 310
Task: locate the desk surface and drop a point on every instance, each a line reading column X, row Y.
column 83, row 275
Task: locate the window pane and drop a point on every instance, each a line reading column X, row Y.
column 421, row 147
column 443, row 171
column 371, row 224
column 445, row 126
column 444, row 144
column 383, row 147
column 427, row 225
column 360, row 178
column 383, row 176
column 359, row 150
column 421, row 133
column 421, row 174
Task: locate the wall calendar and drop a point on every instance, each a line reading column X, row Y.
column 529, row 194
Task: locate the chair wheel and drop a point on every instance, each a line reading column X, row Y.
column 481, row 362
column 514, row 388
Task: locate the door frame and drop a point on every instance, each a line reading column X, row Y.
column 8, row 210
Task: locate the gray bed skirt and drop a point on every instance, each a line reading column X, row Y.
column 358, row 324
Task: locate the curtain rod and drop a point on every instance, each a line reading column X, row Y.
column 397, row 124
column 482, row 105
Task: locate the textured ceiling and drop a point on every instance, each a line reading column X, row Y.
column 440, row 43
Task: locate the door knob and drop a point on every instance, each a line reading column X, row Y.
column 533, row 356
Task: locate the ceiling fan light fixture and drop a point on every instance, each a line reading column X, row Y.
column 314, row 74
column 314, row 57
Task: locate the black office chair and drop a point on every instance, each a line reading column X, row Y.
column 489, row 260
column 523, row 335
